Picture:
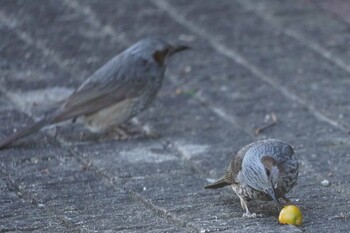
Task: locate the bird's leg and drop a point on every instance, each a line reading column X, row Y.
column 131, row 130
column 119, row 133
column 247, row 213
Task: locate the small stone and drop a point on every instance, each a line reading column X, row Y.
column 325, row 183
column 188, row 69
column 210, row 180
column 224, row 88
column 178, row 91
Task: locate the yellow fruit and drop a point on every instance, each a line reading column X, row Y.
column 290, row 214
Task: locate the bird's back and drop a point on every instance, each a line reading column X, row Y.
column 272, row 147
column 285, row 160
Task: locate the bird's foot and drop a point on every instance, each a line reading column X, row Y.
column 247, row 213
column 251, row 215
column 128, row 132
column 120, row 133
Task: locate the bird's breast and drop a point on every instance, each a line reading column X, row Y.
column 149, row 94
column 109, row 117
column 249, row 193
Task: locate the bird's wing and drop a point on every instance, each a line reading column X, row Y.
column 116, row 81
column 236, row 164
column 232, row 170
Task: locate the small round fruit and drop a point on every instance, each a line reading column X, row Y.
column 291, row 214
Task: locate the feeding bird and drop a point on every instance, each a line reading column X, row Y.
column 263, row 170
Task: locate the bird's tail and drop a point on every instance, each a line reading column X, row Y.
column 24, row 132
column 217, row 184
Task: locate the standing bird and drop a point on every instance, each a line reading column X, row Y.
column 118, row 91
column 263, row 170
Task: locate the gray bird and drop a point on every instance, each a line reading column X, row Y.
column 118, row 91
column 263, row 170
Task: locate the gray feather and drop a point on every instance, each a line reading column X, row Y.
column 134, row 74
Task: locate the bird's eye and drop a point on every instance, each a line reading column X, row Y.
column 166, row 51
column 159, row 56
column 267, row 172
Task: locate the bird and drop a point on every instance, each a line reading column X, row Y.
column 121, row 89
column 263, row 170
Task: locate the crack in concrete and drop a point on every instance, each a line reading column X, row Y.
column 239, row 59
column 228, row 52
column 297, row 36
column 32, row 200
column 108, row 30
column 133, row 195
column 12, row 24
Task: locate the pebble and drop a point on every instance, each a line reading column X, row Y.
column 325, row 183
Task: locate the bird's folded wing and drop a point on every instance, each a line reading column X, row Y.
column 235, row 165
column 107, row 86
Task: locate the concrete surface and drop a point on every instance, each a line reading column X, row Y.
column 250, row 60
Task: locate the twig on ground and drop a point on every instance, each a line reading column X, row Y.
column 267, row 125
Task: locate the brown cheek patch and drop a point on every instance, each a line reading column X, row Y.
column 159, row 57
column 268, row 162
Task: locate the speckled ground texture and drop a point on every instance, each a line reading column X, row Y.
column 250, row 60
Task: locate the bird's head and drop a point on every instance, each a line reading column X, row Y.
column 272, row 173
column 155, row 49
column 262, row 174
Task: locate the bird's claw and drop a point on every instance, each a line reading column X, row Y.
column 127, row 132
column 251, row 215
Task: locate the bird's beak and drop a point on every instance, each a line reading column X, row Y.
column 271, row 192
column 178, row 48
